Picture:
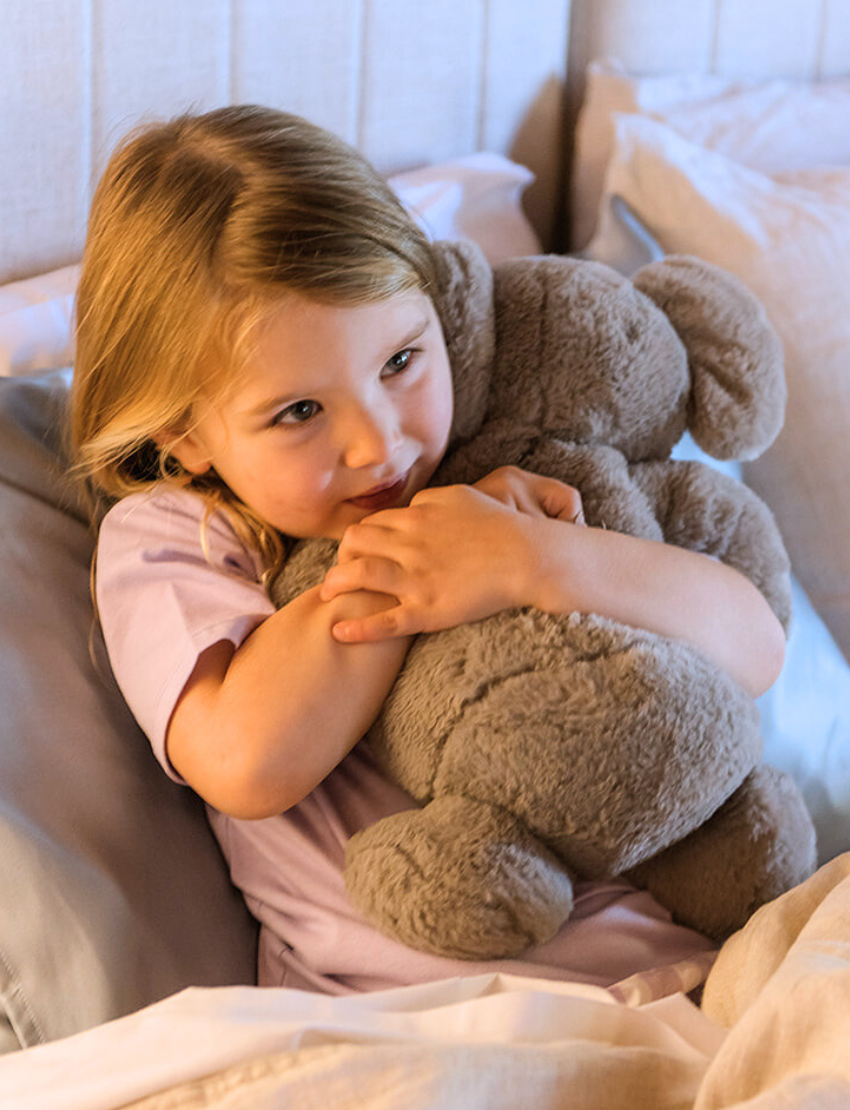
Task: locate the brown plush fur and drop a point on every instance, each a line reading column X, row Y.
column 543, row 748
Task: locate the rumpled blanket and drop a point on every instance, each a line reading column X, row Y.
column 773, row 1032
column 781, row 987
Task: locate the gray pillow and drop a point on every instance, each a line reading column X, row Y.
column 113, row 892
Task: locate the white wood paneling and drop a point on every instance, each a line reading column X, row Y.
column 834, row 53
column 408, row 82
column 521, row 106
column 44, row 134
column 147, row 62
column 302, row 57
column 522, row 44
column 746, row 38
column 646, row 36
column 763, row 38
column 421, row 81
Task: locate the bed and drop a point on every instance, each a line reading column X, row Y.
column 617, row 129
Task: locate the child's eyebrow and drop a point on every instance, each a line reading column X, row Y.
column 416, row 329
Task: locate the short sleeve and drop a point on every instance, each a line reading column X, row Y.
column 168, row 586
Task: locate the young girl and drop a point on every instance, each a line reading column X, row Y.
column 258, row 356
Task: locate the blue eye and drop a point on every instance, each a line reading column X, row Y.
column 399, row 361
column 298, row 413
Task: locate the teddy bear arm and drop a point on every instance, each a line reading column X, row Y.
column 704, row 510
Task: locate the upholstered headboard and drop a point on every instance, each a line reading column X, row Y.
column 802, row 39
column 406, row 82
column 746, row 38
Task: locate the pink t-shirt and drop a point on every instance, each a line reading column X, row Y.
column 163, row 598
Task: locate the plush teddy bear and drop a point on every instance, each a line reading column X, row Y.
column 541, row 748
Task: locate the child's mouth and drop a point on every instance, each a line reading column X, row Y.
column 382, row 497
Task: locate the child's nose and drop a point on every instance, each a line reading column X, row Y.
column 373, row 435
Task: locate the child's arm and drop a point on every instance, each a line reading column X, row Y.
column 447, row 562
column 257, row 728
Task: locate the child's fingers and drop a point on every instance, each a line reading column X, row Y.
column 387, row 625
column 555, row 498
column 368, row 538
column 561, row 501
column 533, row 493
column 379, row 575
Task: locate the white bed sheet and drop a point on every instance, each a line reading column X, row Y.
column 772, row 1035
column 451, row 1038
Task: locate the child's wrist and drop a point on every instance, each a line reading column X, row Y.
column 552, row 568
column 532, row 564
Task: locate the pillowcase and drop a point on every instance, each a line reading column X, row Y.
column 771, row 126
column 627, row 244
column 113, row 890
column 805, row 720
column 35, row 322
column 805, row 715
column 477, row 197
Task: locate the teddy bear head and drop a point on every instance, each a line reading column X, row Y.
column 572, row 350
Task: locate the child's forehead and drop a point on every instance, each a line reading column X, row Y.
column 302, row 322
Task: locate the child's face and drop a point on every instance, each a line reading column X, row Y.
column 342, row 411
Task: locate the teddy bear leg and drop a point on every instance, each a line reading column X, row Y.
column 760, row 843
column 458, row 878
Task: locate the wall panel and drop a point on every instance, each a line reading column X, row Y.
column 305, row 65
column 45, row 143
column 521, row 106
column 644, row 35
column 747, row 38
column 421, row 81
column 757, row 38
column 147, row 62
column 834, row 52
column 409, row 82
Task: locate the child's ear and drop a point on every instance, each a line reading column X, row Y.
column 189, row 450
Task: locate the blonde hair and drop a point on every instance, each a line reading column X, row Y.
column 197, row 228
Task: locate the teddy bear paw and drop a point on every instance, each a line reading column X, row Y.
column 458, row 878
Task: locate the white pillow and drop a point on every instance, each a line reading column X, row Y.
column 805, row 721
column 805, row 715
column 477, row 197
column 35, row 323
column 771, row 126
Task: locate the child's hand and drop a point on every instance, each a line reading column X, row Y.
column 534, row 494
column 456, row 554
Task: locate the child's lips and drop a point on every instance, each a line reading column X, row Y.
column 381, row 497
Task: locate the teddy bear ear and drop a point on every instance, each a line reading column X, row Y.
column 737, row 402
column 464, row 302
